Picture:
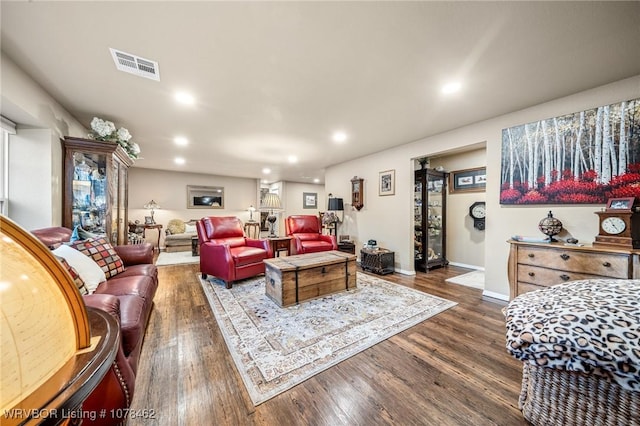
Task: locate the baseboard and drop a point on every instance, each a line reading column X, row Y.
column 494, row 295
column 464, row 265
column 404, row 272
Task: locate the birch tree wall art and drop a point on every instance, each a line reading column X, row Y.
column 581, row 158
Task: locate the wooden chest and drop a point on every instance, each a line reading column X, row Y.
column 533, row 266
column 293, row 279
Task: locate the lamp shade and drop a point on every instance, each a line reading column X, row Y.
column 270, row 201
column 336, row 204
column 151, row 205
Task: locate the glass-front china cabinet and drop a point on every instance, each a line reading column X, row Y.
column 429, row 219
column 96, row 187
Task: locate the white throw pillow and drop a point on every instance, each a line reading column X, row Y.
column 189, row 228
column 89, row 271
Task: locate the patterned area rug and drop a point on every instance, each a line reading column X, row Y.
column 176, row 258
column 473, row 279
column 277, row 348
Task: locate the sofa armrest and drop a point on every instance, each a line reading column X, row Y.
column 135, row 254
column 105, row 302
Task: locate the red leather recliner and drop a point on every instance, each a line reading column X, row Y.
column 226, row 253
column 306, row 233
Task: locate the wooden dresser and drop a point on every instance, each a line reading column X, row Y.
column 537, row 265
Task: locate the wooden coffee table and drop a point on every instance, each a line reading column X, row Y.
column 293, row 279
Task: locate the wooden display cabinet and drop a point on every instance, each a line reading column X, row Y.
column 430, row 219
column 95, row 193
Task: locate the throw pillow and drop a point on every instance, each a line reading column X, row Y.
column 91, row 273
column 77, row 279
column 175, row 226
column 102, row 253
column 189, row 228
column 80, row 234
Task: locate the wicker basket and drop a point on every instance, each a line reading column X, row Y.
column 558, row 397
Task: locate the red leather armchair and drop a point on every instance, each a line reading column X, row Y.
column 226, row 253
column 306, row 233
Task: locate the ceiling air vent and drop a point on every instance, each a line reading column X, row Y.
column 135, row 65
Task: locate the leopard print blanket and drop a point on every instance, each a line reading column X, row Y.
column 589, row 326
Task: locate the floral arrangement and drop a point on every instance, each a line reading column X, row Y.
column 102, row 130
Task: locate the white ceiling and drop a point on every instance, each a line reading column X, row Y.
column 273, row 79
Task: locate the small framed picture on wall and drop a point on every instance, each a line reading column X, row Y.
column 309, row 200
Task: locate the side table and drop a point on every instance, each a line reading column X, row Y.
column 252, row 229
column 195, row 246
column 347, row 247
column 379, row 260
column 156, row 226
column 279, row 244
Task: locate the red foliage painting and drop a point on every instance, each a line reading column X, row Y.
column 581, row 158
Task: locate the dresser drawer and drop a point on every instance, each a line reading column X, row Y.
column 587, row 263
column 547, row 277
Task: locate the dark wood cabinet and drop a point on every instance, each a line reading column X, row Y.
column 96, row 187
column 430, row 219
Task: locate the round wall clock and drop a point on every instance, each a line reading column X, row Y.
column 478, row 212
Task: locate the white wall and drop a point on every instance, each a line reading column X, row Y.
column 169, row 190
column 35, row 194
column 388, row 218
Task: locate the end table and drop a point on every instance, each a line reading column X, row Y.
column 152, row 226
column 379, row 260
column 280, row 244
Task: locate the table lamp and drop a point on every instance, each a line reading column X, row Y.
column 271, row 202
column 251, row 210
column 152, row 205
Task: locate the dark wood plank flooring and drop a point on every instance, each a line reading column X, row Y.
column 452, row 369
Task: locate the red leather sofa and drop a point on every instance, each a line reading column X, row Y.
column 129, row 297
column 226, row 253
column 307, row 236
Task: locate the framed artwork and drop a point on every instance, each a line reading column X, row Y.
column 387, row 183
column 205, row 197
column 468, row 180
column 625, row 203
column 309, row 200
column 148, row 220
column 586, row 157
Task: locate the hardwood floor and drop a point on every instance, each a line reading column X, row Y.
column 452, row 369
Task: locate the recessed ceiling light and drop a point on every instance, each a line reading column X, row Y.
column 452, row 87
column 179, row 160
column 266, row 170
column 185, row 98
column 292, row 159
column 181, row 141
column 316, row 180
column 339, row 137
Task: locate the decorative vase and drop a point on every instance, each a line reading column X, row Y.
column 550, row 226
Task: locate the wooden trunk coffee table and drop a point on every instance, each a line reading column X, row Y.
column 292, row 279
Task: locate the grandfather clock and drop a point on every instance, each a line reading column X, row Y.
column 357, row 192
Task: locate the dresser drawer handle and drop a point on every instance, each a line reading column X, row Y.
column 606, row 264
column 531, row 274
column 564, row 256
column 531, row 255
column 565, row 277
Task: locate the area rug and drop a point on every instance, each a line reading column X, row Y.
column 176, row 258
column 277, row 348
column 473, row 279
